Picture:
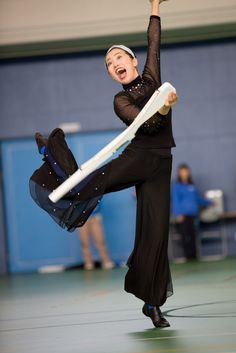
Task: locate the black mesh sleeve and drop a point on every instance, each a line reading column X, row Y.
column 157, row 121
column 127, row 111
column 152, row 66
column 127, row 106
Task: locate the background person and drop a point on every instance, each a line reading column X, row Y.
column 186, row 203
column 93, row 229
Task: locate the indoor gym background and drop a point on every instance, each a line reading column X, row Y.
column 39, row 92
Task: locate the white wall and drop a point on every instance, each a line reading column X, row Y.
column 24, row 21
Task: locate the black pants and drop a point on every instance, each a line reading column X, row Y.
column 188, row 233
column 149, row 171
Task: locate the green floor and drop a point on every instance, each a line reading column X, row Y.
column 88, row 312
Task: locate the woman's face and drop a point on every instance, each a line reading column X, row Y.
column 184, row 174
column 121, row 67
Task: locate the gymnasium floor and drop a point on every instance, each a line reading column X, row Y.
column 88, row 312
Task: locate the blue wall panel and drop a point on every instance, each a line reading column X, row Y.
column 34, row 240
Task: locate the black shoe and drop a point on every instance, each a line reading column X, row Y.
column 40, row 140
column 156, row 316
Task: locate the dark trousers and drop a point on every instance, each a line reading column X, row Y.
column 148, row 277
column 149, row 170
column 188, row 233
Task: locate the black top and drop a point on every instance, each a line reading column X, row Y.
column 157, row 131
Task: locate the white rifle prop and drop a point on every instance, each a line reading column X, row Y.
column 156, row 101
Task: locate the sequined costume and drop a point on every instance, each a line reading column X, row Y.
column 145, row 164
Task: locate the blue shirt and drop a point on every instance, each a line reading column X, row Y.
column 186, row 199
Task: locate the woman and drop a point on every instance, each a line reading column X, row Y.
column 145, row 164
column 94, row 228
column 186, row 203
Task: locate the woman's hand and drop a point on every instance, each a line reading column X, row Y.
column 170, row 101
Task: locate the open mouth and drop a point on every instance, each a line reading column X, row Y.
column 121, row 73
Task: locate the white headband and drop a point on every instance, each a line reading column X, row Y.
column 123, row 47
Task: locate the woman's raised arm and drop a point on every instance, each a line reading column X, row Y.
column 155, row 10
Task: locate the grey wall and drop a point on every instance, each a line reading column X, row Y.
column 40, row 94
column 3, row 250
column 204, row 120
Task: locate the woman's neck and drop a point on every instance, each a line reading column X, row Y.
column 137, row 79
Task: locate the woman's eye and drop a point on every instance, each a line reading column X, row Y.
column 119, row 57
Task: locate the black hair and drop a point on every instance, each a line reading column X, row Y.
column 184, row 166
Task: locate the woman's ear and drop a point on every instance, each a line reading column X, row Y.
column 135, row 62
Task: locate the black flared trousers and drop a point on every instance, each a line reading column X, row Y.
column 147, row 169
column 148, row 277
